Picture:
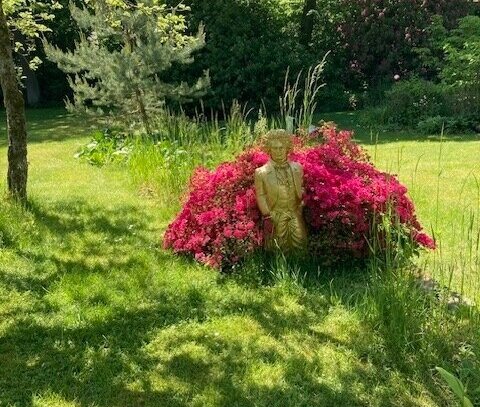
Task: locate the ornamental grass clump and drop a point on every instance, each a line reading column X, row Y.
column 346, row 201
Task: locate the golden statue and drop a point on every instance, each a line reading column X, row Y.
column 279, row 190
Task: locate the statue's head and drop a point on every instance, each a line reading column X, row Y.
column 278, row 144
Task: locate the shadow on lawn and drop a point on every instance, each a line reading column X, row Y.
column 140, row 354
column 102, row 361
column 379, row 135
column 86, row 364
column 75, row 237
column 45, row 125
column 105, row 363
column 144, row 357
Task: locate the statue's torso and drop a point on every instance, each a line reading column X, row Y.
column 283, row 189
column 286, row 199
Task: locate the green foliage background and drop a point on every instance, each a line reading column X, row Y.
column 250, row 45
column 451, row 97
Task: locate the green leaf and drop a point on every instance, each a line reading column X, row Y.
column 453, row 382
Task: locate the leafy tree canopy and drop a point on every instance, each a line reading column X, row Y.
column 26, row 22
column 462, row 50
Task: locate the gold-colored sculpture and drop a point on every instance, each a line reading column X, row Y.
column 279, row 190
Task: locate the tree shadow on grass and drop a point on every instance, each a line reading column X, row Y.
column 105, row 362
column 79, row 216
column 248, row 375
column 75, row 237
column 51, row 124
column 403, row 324
column 140, row 354
column 371, row 135
column 177, row 351
column 87, row 364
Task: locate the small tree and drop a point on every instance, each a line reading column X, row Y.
column 20, row 24
column 16, row 124
column 119, row 65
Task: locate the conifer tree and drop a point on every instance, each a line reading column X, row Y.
column 119, row 64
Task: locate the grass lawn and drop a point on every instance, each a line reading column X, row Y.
column 443, row 179
column 94, row 313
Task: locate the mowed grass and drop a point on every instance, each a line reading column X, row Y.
column 93, row 312
column 442, row 174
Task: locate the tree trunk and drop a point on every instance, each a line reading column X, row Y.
column 143, row 112
column 129, row 44
column 306, row 24
column 16, row 123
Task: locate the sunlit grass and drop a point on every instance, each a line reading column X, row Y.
column 93, row 312
column 442, row 174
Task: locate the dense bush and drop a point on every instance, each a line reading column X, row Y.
column 463, row 102
column 429, row 107
column 250, row 45
column 462, row 49
column 411, row 101
column 248, row 50
column 345, row 199
column 461, row 71
column 453, row 103
column 432, row 125
column 447, row 124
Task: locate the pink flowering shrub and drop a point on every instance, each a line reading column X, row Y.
column 345, row 197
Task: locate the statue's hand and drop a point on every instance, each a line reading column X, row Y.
column 274, row 217
column 271, row 216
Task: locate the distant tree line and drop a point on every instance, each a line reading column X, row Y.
column 251, row 44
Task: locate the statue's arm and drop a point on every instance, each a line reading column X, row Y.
column 301, row 190
column 299, row 180
column 261, row 194
column 300, row 171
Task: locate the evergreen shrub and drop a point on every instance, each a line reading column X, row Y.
column 118, row 66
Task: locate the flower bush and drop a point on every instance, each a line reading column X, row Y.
column 346, row 202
